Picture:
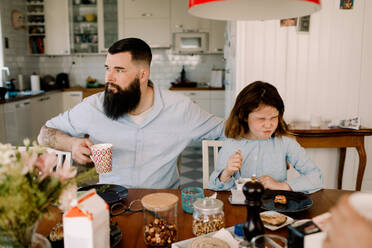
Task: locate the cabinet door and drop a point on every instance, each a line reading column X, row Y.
column 155, row 31
column 182, row 21
column 217, row 36
column 2, row 125
column 17, row 122
column 107, row 23
column 146, row 8
column 202, row 98
column 218, row 103
column 70, row 99
column 57, row 36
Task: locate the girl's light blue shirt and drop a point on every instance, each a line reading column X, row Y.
column 268, row 157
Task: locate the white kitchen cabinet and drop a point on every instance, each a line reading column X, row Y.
column 2, row 125
column 70, row 99
column 148, row 20
column 217, row 36
column 108, row 21
column 217, row 103
column 57, row 35
column 212, row 101
column 44, row 108
column 182, row 21
column 17, row 121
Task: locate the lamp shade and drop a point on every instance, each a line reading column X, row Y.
column 252, row 9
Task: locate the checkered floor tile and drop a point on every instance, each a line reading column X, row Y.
column 191, row 170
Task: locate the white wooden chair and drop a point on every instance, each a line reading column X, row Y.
column 61, row 155
column 215, row 144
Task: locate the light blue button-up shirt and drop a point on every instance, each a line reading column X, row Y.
column 144, row 156
column 268, row 157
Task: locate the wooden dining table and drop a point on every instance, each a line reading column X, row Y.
column 131, row 224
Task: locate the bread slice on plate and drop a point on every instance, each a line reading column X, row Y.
column 274, row 220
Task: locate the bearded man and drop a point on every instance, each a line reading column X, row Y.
column 148, row 126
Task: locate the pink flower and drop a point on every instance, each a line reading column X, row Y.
column 28, row 160
column 65, row 172
column 67, row 197
column 45, row 163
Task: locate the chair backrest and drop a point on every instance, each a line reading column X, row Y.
column 215, row 144
column 61, row 155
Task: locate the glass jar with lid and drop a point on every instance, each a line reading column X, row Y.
column 160, row 215
column 208, row 216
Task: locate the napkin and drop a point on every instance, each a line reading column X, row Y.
column 237, row 197
column 226, row 236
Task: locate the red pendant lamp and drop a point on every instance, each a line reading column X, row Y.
column 252, row 9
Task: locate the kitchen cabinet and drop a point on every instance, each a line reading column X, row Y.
column 84, row 27
column 148, row 20
column 2, row 124
column 57, row 35
column 35, row 22
column 44, row 108
column 70, row 99
column 216, row 36
column 107, row 23
column 182, row 21
column 17, row 121
column 212, row 101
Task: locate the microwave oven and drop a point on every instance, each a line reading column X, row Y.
column 190, row 43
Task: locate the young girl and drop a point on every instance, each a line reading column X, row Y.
column 256, row 145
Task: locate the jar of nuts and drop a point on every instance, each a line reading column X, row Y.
column 208, row 216
column 160, row 227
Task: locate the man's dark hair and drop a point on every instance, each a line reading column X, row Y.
column 139, row 49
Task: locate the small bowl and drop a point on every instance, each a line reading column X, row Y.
column 3, row 91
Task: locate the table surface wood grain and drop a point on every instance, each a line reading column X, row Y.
column 131, row 224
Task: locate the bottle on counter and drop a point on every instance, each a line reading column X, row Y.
column 183, row 74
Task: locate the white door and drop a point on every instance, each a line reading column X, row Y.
column 57, row 36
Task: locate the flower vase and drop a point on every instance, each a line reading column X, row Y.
column 27, row 237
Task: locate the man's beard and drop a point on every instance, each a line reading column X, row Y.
column 122, row 102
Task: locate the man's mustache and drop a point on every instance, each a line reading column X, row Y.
column 113, row 85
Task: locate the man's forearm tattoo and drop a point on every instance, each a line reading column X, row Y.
column 49, row 137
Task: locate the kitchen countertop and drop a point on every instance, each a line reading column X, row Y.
column 196, row 88
column 28, row 96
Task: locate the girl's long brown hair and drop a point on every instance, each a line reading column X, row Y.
column 248, row 100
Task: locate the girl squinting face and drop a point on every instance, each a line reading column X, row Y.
column 262, row 122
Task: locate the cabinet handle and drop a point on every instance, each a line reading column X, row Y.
column 75, row 94
column 146, row 14
column 192, row 94
column 26, row 103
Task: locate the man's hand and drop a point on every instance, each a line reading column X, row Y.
column 234, row 164
column 348, row 228
column 269, row 183
column 80, row 149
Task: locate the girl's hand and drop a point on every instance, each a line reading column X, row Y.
column 269, row 183
column 234, row 164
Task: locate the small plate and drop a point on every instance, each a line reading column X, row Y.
column 111, row 193
column 296, row 201
column 273, row 228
